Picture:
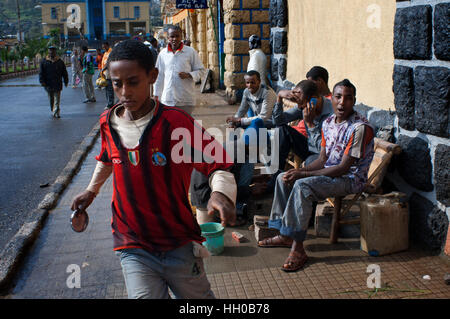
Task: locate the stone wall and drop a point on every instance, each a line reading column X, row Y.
column 421, row 94
column 278, row 42
column 204, row 39
column 242, row 18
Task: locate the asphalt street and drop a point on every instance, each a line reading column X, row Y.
column 35, row 146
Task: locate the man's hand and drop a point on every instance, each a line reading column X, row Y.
column 292, row 175
column 234, row 121
column 309, row 114
column 83, row 200
column 284, row 94
column 227, row 212
column 185, row 75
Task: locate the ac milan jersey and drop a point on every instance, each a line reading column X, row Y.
column 150, row 206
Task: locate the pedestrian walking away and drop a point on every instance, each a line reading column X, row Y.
column 76, row 68
column 88, row 72
column 109, row 88
column 51, row 74
column 155, row 233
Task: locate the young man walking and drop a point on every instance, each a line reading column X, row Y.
column 179, row 69
column 88, row 72
column 51, row 74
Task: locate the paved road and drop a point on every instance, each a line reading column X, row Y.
column 35, row 146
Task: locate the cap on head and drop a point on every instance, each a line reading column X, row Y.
column 254, row 42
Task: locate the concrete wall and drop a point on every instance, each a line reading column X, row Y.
column 351, row 38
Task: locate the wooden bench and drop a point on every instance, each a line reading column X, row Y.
column 377, row 170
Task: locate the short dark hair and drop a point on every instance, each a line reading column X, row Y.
column 133, row 50
column 174, row 27
column 317, row 72
column 106, row 43
column 252, row 73
column 84, row 48
column 345, row 83
column 308, row 87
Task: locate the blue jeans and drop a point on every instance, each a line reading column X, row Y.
column 149, row 275
column 293, row 205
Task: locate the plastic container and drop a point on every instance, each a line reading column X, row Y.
column 384, row 224
column 213, row 232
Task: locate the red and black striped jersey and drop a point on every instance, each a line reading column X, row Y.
column 150, row 205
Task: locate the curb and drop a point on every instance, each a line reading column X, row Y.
column 16, row 249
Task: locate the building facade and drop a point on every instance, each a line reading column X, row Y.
column 96, row 19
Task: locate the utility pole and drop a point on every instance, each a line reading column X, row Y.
column 18, row 22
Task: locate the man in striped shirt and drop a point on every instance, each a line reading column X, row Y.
column 154, row 231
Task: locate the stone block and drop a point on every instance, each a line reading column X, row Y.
column 213, row 59
column 432, row 100
column 442, row 173
column 265, row 46
column 282, row 67
column 232, row 31
column 236, row 16
column 381, row 119
column 413, row 33
column 258, row 16
column 273, row 13
column 231, row 4
column 249, row 29
column 280, row 42
column 250, row 4
column 265, row 31
column 428, row 224
column 265, row 4
column 414, row 162
column 262, row 230
column 212, row 46
column 442, row 31
column 362, row 109
column 235, row 47
column 211, row 35
column 245, row 60
column 404, row 96
column 232, row 63
column 282, row 13
column 234, row 80
column 274, row 69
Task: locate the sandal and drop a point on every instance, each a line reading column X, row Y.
column 276, row 241
column 294, row 262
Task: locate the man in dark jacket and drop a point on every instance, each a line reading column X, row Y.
column 52, row 72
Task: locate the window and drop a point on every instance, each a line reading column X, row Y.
column 116, row 12
column 53, row 13
column 137, row 12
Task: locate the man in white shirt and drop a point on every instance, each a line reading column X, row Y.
column 179, row 68
column 258, row 60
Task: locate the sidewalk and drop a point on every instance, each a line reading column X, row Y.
column 242, row 271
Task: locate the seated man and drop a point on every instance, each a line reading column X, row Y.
column 319, row 76
column 341, row 169
column 258, row 98
column 306, row 147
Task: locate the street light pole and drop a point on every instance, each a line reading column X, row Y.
column 18, row 21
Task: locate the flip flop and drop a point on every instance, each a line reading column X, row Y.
column 294, row 262
column 276, row 241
